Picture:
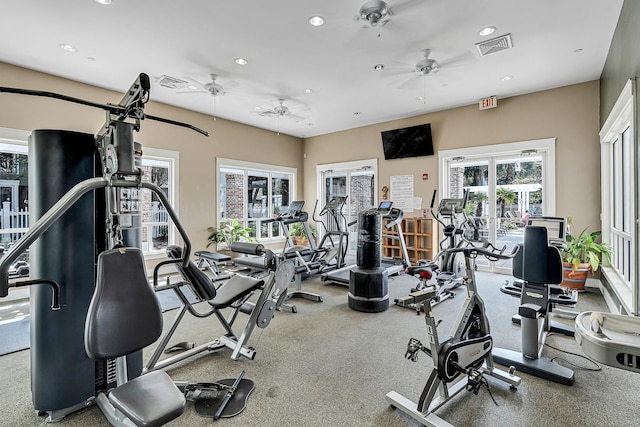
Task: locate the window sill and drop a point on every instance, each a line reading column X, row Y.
column 621, row 301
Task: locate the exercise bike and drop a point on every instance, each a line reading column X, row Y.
column 460, row 362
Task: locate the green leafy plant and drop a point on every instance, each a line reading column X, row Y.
column 229, row 231
column 296, row 230
column 583, row 249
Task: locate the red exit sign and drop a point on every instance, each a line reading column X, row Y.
column 490, row 102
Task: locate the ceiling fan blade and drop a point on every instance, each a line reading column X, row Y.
column 295, row 117
column 458, row 59
column 194, row 82
column 399, row 7
column 411, row 83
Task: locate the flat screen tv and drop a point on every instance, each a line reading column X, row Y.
column 413, row 141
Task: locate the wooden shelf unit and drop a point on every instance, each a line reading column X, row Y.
column 418, row 236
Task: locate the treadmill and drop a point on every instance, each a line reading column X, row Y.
column 391, row 230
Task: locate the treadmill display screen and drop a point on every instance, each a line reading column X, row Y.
column 384, row 206
column 296, row 207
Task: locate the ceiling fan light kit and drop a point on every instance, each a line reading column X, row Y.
column 375, row 13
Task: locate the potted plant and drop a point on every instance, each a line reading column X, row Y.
column 582, row 256
column 229, row 231
column 297, row 233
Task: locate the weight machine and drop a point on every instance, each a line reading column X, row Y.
column 78, row 181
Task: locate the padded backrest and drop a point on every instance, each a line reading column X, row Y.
column 537, row 261
column 124, row 315
column 201, row 283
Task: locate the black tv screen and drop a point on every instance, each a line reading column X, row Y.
column 413, row 141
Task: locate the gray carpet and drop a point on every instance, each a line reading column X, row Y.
column 328, row 365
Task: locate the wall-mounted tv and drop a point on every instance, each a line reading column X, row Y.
column 413, row 141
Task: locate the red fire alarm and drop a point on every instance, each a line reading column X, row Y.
column 425, row 176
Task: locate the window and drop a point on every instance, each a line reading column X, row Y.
column 14, row 188
column 252, row 193
column 505, row 182
column 618, row 201
column 159, row 167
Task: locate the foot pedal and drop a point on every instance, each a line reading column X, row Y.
column 209, row 401
column 181, row 346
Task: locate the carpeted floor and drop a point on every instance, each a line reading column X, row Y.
column 328, row 365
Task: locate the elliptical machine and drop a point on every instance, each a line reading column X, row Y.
column 447, row 269
column 461, row 361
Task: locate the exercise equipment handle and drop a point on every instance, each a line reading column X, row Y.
column 488, row 250
column 43, row 224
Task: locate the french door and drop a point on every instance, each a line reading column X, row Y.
column 506, row 183
column 355, row 180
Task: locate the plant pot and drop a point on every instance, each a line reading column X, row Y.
column 299, row 241
column 574, row 279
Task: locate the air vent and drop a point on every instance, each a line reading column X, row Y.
column 494, row 45
column 171, row 82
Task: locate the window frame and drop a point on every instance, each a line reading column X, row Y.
column 620, row 119
column 247, row 167
column 173, row 158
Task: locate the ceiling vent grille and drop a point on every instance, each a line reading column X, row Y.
column 171, row 82
column 494, row 45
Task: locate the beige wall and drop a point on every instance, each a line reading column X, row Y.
column 198, row 182
column 569, row 114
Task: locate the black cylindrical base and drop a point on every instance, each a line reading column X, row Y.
column 369, row 290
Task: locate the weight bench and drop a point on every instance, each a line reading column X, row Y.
column 211, row 261
column 232, row 294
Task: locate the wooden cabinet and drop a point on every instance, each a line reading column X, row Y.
column 418, row 236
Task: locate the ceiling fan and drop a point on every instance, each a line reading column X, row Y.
column 280, row 110
column 213, row 87
column 377, row 13
column 427, row 66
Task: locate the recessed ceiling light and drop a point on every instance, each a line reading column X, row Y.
column 579, row 50
column 257, row 108
column 103, row 1
column 241, row 61
column 420, row 98
column 316, row 20
column 67, row 47
column 378, row 67
column 487, row 31
column 506, row 78
column 308, row 91
column 192, row 87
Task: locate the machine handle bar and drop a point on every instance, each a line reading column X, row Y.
column 488, row 250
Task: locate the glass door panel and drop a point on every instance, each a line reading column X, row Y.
column 503, row 192
column 358, row 185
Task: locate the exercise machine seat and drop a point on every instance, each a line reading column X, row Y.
column 235, row 288
column 124, row 316
column 539, row 265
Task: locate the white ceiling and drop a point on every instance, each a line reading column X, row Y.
column 555, row 43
